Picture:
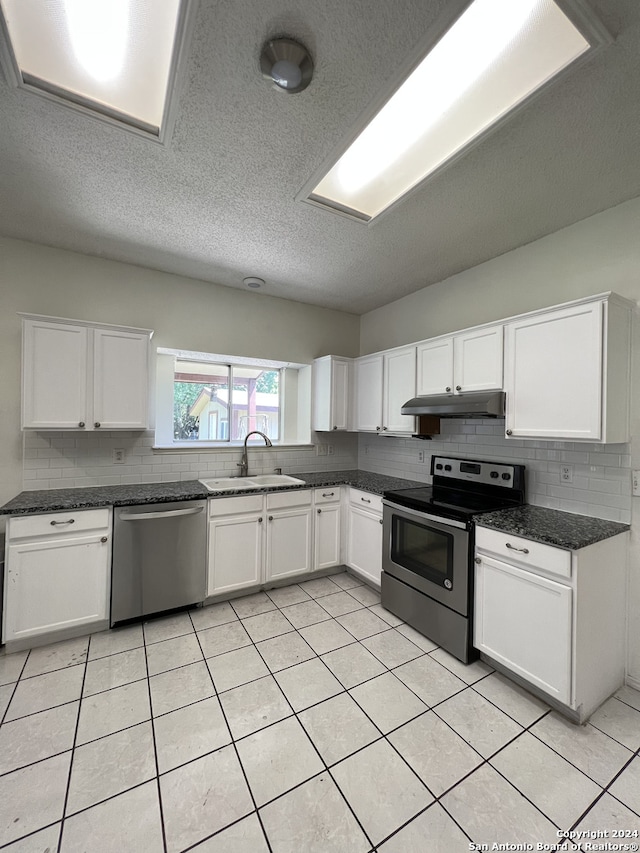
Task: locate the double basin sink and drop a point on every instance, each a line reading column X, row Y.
column 239, row 484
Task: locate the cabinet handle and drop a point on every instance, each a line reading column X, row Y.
column 104, row 539
column 384, row 428
column 365, row 500
column 458, row 387
column 81, row 424
column 270, row 518
column 70, row 521
column 97, row 424
column 448, row 388
column 513, row 548
column 381, row 521
column 509, row 432
column 377, row 429
column 477, row 560
column 260, row 520
column 319, row 511
column 335, row 427
column 328, row 494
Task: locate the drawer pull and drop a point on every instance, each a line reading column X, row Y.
column 513, row 548
column 365, row 500
column 260, row 520
column 103, row 539
column 328, row 494
column 319, row 511
column 54, row 523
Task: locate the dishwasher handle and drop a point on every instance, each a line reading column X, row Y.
column 174, row 513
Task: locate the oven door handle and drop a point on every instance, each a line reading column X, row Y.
column 424, row 516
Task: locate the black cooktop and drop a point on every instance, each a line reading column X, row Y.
column 448, row 503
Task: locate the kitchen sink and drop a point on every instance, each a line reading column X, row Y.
column 234, row 484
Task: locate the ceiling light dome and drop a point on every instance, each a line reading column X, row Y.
column 287, row 64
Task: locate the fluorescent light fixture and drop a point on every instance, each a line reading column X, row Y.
column 493, row 58
column 116, row 58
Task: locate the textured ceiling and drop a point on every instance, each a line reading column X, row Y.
column 217, row 202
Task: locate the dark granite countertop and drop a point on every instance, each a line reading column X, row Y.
column 50, row 500
column 551, row 526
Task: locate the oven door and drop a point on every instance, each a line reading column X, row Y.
column 429, row 554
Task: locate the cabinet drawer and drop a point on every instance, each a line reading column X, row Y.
column 58, row 523
column 235, row 505
column 365, row 499
column 328, row 495
column 280, row 500
column 536, row 555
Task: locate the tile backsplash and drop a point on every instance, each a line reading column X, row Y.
column 601, row 484
column 55, row 460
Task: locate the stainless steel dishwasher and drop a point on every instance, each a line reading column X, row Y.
column 159, row 558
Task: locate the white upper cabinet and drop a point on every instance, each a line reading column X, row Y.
column 332, row 393
column 82, row 376
column 567, row 373
column 469, row 361
column 385, row 381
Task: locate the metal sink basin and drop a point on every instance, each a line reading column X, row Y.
column 235, row 484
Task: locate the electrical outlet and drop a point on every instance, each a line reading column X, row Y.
column 329, row 449
column 421, row 456
column 321, row 449
column 117, row 457
column 636, row 483
column 566, row 473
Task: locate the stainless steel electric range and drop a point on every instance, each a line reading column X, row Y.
column 428, row 545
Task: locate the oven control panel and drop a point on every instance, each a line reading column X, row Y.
column 490, row 473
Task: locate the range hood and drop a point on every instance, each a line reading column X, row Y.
column 482, row 405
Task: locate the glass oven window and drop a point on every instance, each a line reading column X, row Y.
column 421, row 549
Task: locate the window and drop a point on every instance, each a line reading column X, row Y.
column 208, row 400
column 204, row 409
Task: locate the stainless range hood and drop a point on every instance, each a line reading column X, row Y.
column 488, row 404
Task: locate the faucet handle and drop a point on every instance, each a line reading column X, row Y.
column 278, row 470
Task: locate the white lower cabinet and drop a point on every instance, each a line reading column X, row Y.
column 57, row 578
column 553, row 618
column 364, row 536
column 257, row 539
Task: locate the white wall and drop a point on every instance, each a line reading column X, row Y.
column 599, row 254
column 185, row 314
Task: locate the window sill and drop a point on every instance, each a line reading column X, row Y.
column 205, row 446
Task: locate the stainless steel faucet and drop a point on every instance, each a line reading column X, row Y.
column 243, row 464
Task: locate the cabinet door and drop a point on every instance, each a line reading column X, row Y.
column 369, row 393
column 554, row 374
column 235, row 552
column 327, row 536
column 54, row 375
column 288, row 542
column 399, row 386
column 524, row 621
column 435, row 367
column 364, row 548
column 55, row 585
column 339, row 394
column 121, row 380
column 477, row 360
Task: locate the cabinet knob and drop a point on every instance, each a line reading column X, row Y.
column 509, row 432
column 97, row 424
column 104, row 539
column 448, row 388
column 81, row 424
column 383, row 428
column 378, row 429
column 335, row 427
column 270, row 518
column 260, row 520
column 319, row 511
column 458, row 387
column 381, row 522
column 477, row 560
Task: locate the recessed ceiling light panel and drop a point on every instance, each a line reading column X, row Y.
column 114, row 57
column 492, row 59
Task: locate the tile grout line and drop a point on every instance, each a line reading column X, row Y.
column 237, row 754
column 155, row 746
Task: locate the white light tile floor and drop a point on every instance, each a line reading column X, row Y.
column 306, row 719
